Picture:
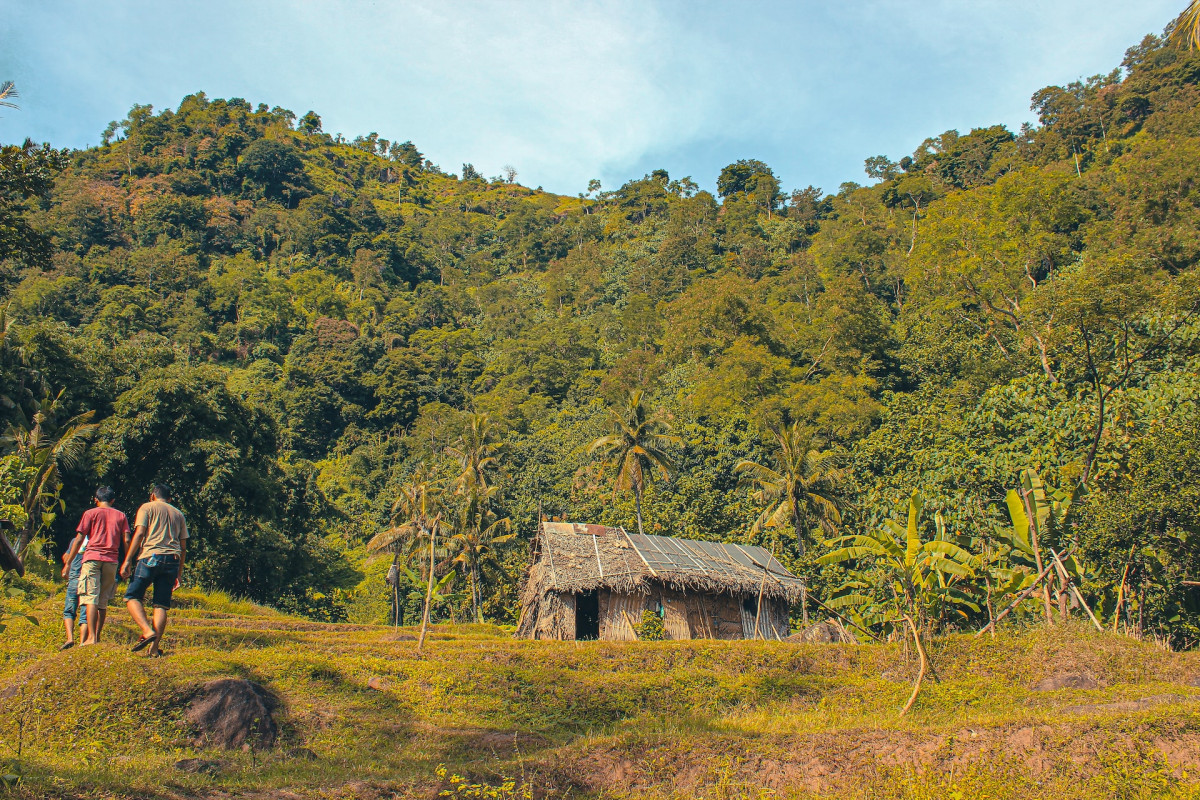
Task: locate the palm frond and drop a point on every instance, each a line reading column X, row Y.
column 8, row 90
column 1186, row 30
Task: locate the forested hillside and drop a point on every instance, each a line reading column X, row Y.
column 305, row 336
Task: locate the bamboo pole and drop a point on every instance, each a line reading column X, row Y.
column 1028, row 590
column 1066, row 579
column 629, row 622
column 1121, row 590
column 991, row 618
column 1031, row 515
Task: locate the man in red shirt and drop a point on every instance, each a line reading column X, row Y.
column 105, row 529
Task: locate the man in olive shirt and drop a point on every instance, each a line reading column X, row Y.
column 158, row 547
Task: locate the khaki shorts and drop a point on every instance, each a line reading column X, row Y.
column 97, row 583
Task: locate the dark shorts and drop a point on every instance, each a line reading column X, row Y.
column 157, row 571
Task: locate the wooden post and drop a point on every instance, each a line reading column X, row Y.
column 761, row 587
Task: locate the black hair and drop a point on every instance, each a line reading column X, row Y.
column 105, row 494
column 161, row 491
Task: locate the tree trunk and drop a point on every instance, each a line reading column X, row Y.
column 637, row 505
column 428, row 591
column 924, row 664
column 476, row 593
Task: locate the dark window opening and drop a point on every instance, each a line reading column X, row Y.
column 750, row 604
column 587, row 616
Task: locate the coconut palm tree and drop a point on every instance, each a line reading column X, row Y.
column 43, row 449
column 419, row 502
column 415, row 517
column 476, row 456
column 798, row 489
column 637, row 448
column 1186, row 31
column 474, row 546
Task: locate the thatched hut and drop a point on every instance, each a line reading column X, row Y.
column 593, row 582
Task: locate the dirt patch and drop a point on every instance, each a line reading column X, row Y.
column 1067, row 680
column 832, row 763
column 1141, row 704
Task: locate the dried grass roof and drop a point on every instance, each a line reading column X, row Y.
column 577, row 558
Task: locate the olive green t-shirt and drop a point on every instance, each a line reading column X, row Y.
column 165, row 529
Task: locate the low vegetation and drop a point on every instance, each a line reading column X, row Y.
column 365, row 716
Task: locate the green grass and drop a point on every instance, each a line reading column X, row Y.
column 654, row 719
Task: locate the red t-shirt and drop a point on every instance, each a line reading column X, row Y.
column 105, row 529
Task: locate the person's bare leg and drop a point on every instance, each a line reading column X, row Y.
column 69, row 624
column 160, row 626
column 138, row 612
column 102, row 614
column 92, row 631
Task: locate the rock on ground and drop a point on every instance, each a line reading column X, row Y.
column 233, row 713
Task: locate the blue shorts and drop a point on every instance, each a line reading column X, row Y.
column 71, row 603
column 160, row 572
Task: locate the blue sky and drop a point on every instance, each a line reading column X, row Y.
column 568, row 91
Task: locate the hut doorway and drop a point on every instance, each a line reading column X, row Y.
column 587, row 616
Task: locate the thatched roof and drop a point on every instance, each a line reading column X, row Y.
column 577, row 558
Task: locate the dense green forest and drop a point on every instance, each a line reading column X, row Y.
column 318, row 341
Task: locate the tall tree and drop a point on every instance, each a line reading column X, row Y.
column 637, row 448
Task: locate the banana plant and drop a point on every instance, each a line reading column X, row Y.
column 1039, row 514
column 922, row 577
column 919, row 577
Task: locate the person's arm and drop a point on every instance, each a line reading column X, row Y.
column 126, row 539
column 139, row 534
column 72, row 551
column 182, row 552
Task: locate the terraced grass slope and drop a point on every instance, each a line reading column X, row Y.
column 670, row 719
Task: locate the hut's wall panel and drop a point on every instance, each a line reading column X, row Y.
column 777, row 618
column 617, row 611
column 676, row 617
column 725, row 616
column 556, row 617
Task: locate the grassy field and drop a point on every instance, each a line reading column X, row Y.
column 613, row 720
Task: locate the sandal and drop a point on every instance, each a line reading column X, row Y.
column 66, row 646
column 142, row 643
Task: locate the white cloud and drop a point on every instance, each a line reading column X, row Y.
column 567, row 91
